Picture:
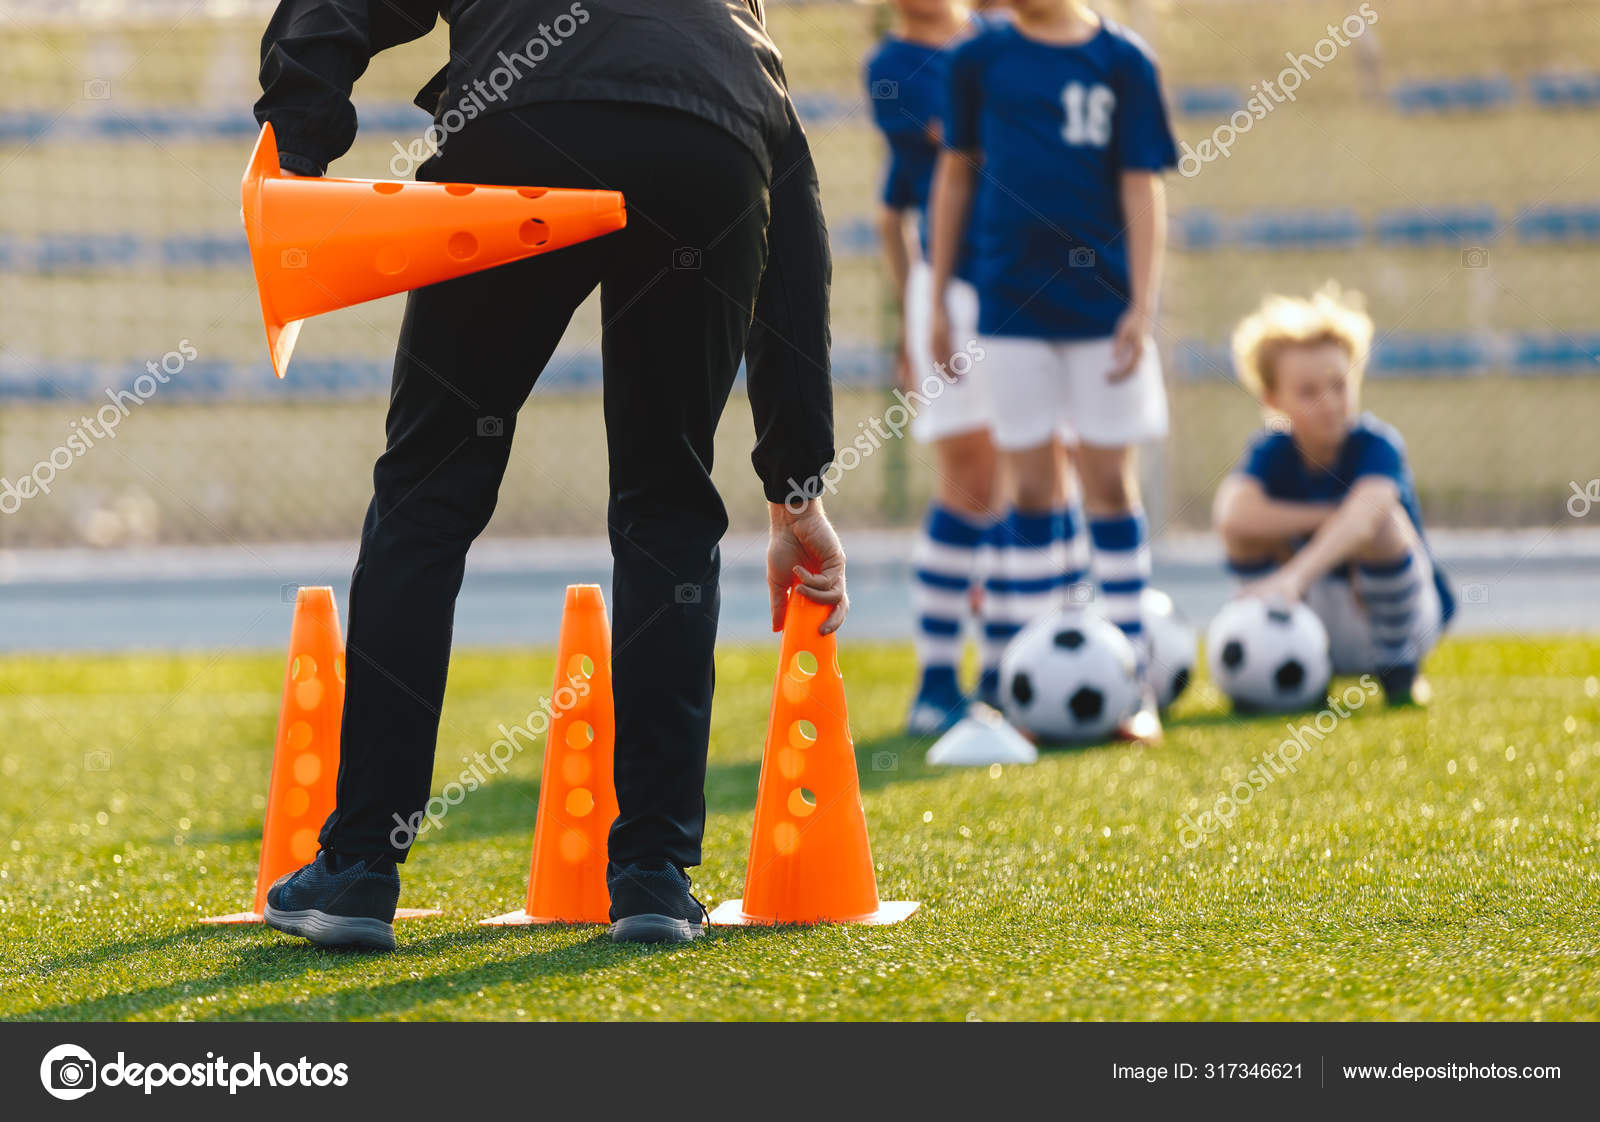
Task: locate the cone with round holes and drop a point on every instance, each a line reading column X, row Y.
column 318, row 244
column 305, row 760
column 577, row 799
column 810, row 861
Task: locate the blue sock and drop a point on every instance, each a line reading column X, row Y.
column 1122, row 569
column 944, row 564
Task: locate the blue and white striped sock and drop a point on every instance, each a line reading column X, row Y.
column 1391, row 590
column 1074, row 536
column 991, row 570
column 1122, row 568
column 1024, row 584
column 944, row 565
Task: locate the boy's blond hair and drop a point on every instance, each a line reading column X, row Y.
column 1330, row 315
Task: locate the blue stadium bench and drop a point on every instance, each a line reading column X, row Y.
column 1454, row 95
column 1419, row 226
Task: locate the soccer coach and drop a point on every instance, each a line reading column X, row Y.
column 682, row 105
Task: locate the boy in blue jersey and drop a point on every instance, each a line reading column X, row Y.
column 1056, row 138
column 906, row 76
column 1326, row 510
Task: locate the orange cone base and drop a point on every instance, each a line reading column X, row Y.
column 254, row 917
column 523, row 919
column 731, row 914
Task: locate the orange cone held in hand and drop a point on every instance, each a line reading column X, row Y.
column 810, row 861
column 305, row 758
column 318, row 244
column 577, row 797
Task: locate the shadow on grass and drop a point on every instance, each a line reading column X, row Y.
column 101, row 953
column 257, row 963
column 496, row 809
column 595, row 953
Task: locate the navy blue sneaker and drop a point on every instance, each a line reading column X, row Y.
column 337, row 902
column 1405, row 687
column 653, row 904
column 934, row 716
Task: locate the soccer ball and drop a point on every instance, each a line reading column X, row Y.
column 1174, row 646
column 1266, row 656
column 1069, row 676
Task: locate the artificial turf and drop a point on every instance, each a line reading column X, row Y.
column 1437, row 863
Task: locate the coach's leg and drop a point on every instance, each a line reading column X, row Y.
column 677, row 307
column 469, row 352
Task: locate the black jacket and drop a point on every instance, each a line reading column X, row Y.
column 711, row 58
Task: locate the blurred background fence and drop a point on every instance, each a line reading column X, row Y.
column 1446, row 162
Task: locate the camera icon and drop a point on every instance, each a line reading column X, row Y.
column 686, row 259
column 288, row 593
column 98, row 760
column 491, row 426
column 1277, row 423
column 885, row 761
column 292, row 259
column 686, row 594
column 1475, row 258
column 885, row 89
column 97, row 89
column 68, row 1072
column 1081, row 257
column 1475, row 593
column 1080, row 593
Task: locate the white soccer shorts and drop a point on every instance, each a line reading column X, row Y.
column 1040, row 388
column 945, row 406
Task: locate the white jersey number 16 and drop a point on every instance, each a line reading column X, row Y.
column 1088, row 114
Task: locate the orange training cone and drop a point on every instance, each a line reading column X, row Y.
column 305, row 762
column 810, row 861
column 577, row 798
column 319, row 243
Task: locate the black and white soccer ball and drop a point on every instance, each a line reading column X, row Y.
column 1070, row 676
column 1174, row 646
column 1269, row 657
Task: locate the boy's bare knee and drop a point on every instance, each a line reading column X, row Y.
column 1241, row 548
column 1391, row 540
column 1107, row 477
column 1107, row 495
column 1035, row 494
column 1036, row 483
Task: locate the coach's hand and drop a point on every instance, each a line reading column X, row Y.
column 803, row 547
column 1128, row 342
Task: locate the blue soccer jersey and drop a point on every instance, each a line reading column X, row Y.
column 1056, row 126
column 1372, row 448
column 906, row 84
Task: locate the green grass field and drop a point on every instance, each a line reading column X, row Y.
column 1437, row 864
